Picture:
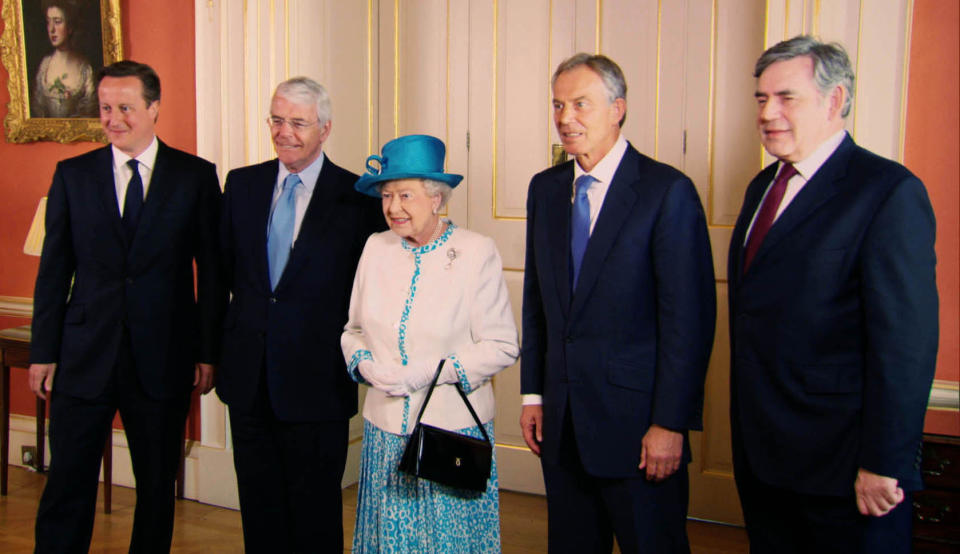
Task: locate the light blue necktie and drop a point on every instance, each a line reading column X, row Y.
column 579, row 225
column 280, row 233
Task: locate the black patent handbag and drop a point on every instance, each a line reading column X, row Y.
column 447, row 457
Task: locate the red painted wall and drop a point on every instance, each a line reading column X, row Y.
column 160, row 34
column 932, row 152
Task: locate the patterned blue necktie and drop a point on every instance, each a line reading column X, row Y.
column 280, row 230
column 579, row 225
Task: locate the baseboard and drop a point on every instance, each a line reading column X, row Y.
column 519, row 470
column 209, row 474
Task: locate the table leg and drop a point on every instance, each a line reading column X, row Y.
column 108, row 472
column 41, row 433
column 4, row 427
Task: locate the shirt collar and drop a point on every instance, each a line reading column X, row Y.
column 308, row 176
column 148, row 157
column 607, row 166
column 809, row 166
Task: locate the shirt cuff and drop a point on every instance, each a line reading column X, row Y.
column 531, row 399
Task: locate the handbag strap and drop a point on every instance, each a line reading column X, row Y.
column 436, row 376
column 463, row 395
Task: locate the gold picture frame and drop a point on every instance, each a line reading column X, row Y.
column 29, row 118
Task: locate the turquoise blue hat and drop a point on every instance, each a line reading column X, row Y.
column 409, row 157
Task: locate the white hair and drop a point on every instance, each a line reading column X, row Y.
column 304, row 90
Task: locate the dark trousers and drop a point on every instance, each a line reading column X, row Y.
column 78, row 432
column 584, row 512
column 289, row 478
column 786, row 522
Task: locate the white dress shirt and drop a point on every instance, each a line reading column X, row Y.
column 308, row 177
column 806, row 169
column 603, row 173
column 122, row 172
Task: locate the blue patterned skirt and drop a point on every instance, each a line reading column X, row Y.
column 400, row 513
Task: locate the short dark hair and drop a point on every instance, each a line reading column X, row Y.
column 129, row 68
column 608, row 70
column 831, row 65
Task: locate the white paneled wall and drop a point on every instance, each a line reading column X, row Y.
column 479, row 71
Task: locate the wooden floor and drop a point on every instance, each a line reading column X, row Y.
column 208, row 529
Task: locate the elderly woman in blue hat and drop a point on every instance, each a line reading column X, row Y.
column 425, row 291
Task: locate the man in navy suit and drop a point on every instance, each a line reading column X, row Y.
column 619, row 310
column 833, row 321
column 292, row 232
column 116, row 316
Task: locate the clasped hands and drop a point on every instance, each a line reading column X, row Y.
column 403, row 380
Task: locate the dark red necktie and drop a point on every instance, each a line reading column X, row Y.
column 768, row 212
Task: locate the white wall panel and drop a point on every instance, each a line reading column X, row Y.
column 478, row 73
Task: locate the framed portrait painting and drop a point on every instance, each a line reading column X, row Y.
column 52, row 50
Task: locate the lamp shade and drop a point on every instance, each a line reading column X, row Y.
column 34, row 243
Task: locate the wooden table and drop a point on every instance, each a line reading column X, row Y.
column 15, row 352
column 936, row 521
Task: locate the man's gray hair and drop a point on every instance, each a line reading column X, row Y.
column 304, row 90
column 831, row 65
column 608, row 70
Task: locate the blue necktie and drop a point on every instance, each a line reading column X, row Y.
column 132, row 201
column 579, row 225
column 280, row 231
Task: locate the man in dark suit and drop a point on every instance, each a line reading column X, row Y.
column 833, row 321
column 115, row 314
column 292, row 232
column 619, row 309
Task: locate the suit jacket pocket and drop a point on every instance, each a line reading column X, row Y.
column 628, row 375
column 832, row 379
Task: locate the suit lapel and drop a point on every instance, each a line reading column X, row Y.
column 162, row 183
column 261, row 200
column 617, row 206
column 558, row 225
column 818, row 190
column 751, row 203
column 107, row 191
column 323, row 202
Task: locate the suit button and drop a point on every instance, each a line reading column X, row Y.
column 129, row 280
column 273, row 299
